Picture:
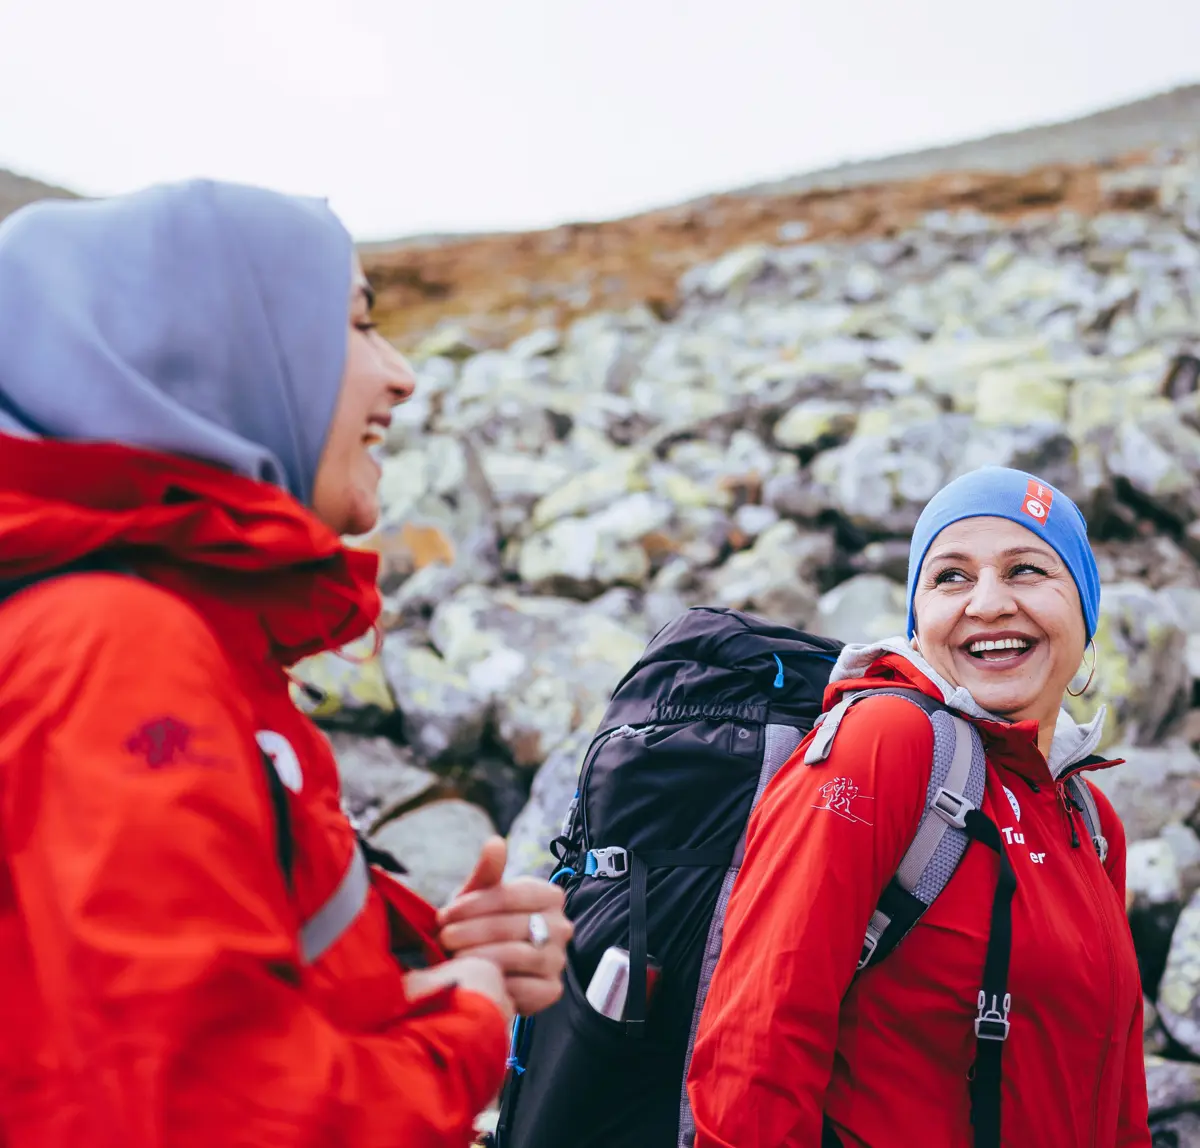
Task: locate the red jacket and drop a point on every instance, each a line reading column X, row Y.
column 153, row 990
column 787, row 1034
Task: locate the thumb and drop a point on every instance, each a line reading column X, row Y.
column 489, row 869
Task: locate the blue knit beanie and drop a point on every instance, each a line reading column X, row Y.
column 997, row 492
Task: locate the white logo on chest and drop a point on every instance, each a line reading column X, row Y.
column 283, row 758
column 1012, row 800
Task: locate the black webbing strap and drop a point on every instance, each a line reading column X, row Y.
column 285, row 848
column 829, row 1136
column 635, row 1001
column 640, row 865
column 991, row 1023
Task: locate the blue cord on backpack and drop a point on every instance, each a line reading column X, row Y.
column 778, row 676
column 522, row 1023
column 513, row 1060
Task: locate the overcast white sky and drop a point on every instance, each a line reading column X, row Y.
column 466, row 114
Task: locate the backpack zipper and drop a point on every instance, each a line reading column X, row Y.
column 585, row 773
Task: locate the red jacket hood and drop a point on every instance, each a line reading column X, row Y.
column 172, row 518
column 1012, row 743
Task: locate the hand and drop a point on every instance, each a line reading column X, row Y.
column 490, row 918
column 471, row 973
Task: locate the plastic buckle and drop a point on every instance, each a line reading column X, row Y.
column 952, row 808
column 611, row 861
column 870, row 944
column 992, row 1023
column 1101, row 844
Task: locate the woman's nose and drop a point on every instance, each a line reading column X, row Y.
column 401, row 379
column 991, row 597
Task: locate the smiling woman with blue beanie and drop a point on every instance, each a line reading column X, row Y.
column 940, row 812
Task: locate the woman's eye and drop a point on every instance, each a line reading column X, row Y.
column 948, row 576
column 1026, row 568
column 366, row 326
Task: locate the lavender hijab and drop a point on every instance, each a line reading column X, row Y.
column 201, row 319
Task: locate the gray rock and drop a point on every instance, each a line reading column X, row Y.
column 1153, row 788
column 437, row 507
column 377, row 776
column 444, row 718
column 546, row 662
column 815, row 423
column 549, row 799
column 1154, row 1038
column 1141, row 669
column 438, row 844
column 581, row 556
column 345, row 689
column 1181, row 1131
column 1185, row 847
column 770, row 578
column 883, row 477
column 1160, row 458
column 544, row 341
column 1179, row 991
column 865, row 608
column 1152, row 875
column 732, row 272
column 1171, row 1085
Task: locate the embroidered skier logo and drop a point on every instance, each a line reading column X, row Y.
column 840, row 796
column 1012, row 800
column 167, row 741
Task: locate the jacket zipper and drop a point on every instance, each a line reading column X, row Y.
column 1064, row 800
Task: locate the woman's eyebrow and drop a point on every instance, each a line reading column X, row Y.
column 1011, row 552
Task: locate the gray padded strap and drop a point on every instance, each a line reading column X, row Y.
column 1082, row 792
column 320, row 932
column 779, row 744
column 826, row 727
column 948, row 808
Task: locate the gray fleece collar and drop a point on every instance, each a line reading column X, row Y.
column 1072, row 742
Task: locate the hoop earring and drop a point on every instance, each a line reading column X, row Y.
column 1095, row 655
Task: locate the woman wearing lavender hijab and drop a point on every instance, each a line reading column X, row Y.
column 194, row 948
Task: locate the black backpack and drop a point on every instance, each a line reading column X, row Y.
column 651, row 846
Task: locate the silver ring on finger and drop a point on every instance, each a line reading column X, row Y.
column 539, row 931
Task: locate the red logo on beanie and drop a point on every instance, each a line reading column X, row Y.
column 1038, row 500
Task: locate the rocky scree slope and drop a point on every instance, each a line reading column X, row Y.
column 550, row 504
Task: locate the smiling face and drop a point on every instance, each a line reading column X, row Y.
column 998, row 613
column 376, row 378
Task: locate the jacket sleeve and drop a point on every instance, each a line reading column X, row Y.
column 139, row 838
column 1133, row 1128
column 821, row 847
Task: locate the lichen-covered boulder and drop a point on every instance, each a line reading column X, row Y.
column 1141, row 667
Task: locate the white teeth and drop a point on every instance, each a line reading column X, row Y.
column 999, row 644
column 377, row 451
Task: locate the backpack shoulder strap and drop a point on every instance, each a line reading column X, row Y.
column 956, row 785
column 1085, row 801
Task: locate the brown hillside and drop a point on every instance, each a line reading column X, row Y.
column 499, row 286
